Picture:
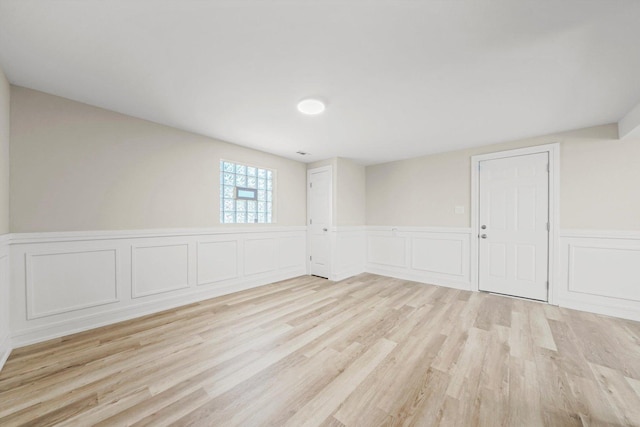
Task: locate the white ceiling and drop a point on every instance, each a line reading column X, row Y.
column 400, row 78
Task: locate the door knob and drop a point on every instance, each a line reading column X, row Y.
column 483, row 227
column 484, row 236
column 324, row 229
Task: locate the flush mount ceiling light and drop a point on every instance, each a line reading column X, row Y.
column 311, row 106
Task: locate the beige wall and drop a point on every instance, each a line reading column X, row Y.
column 4, row 153
column 348, row 190
column 77, row 167
column 351, row 178
column 599, row 179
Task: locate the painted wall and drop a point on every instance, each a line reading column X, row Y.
column 4, row 152
column 599, row 180
column 77, row 167
column 351, row 186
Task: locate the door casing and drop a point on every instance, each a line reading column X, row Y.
column 554, row 209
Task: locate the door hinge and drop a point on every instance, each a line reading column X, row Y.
column 311, row 185
column 310, row 258
column 548, row 167
column 310, row 221
column 548, row 226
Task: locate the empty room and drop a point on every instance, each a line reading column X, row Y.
column 320, row 213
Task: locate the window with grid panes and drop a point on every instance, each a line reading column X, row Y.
column 246, row 194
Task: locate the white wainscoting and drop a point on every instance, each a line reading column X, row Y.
column 56, row 281
column 5, row 330
column 434, row 255
column 156, row 269
column 63, row 283
column 348, row 250
column 599, row 271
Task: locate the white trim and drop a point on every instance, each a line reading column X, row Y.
column 5, row 239
column 407, row 274
column 554, row 209
column 348, row 228
column 5, row 349
column 403, row 229
column 601, row 234
column 597, row 295
column 72, row 236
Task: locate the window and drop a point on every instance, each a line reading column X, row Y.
column 246, row 194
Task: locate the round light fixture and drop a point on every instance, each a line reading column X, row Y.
column 311, row 106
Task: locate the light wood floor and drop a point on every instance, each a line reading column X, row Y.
column 366, row 351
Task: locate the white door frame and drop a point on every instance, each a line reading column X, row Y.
column 328, row 168
column 554, row 208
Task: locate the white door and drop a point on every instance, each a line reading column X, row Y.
column 319, row 220
column 514, row 226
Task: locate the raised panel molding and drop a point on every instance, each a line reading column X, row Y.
column 146, row 273
column 438, row 256
column 217, row 261
column 600, row 272
column 260, row 255
column 157, row 269
column 388, row 250
column 61, row 282
column 606, row 271
column 291, row 251
column 597, row 270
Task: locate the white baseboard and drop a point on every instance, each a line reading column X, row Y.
column 420, row 278
column 5, row 306
column 607, row 309
column 5, row 349
column 63, row 284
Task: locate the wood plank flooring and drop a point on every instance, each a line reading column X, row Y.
column 366, row 351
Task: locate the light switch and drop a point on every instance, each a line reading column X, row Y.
column 459, row 210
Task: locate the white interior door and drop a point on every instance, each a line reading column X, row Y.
column 319, row 199
column 514, row 226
